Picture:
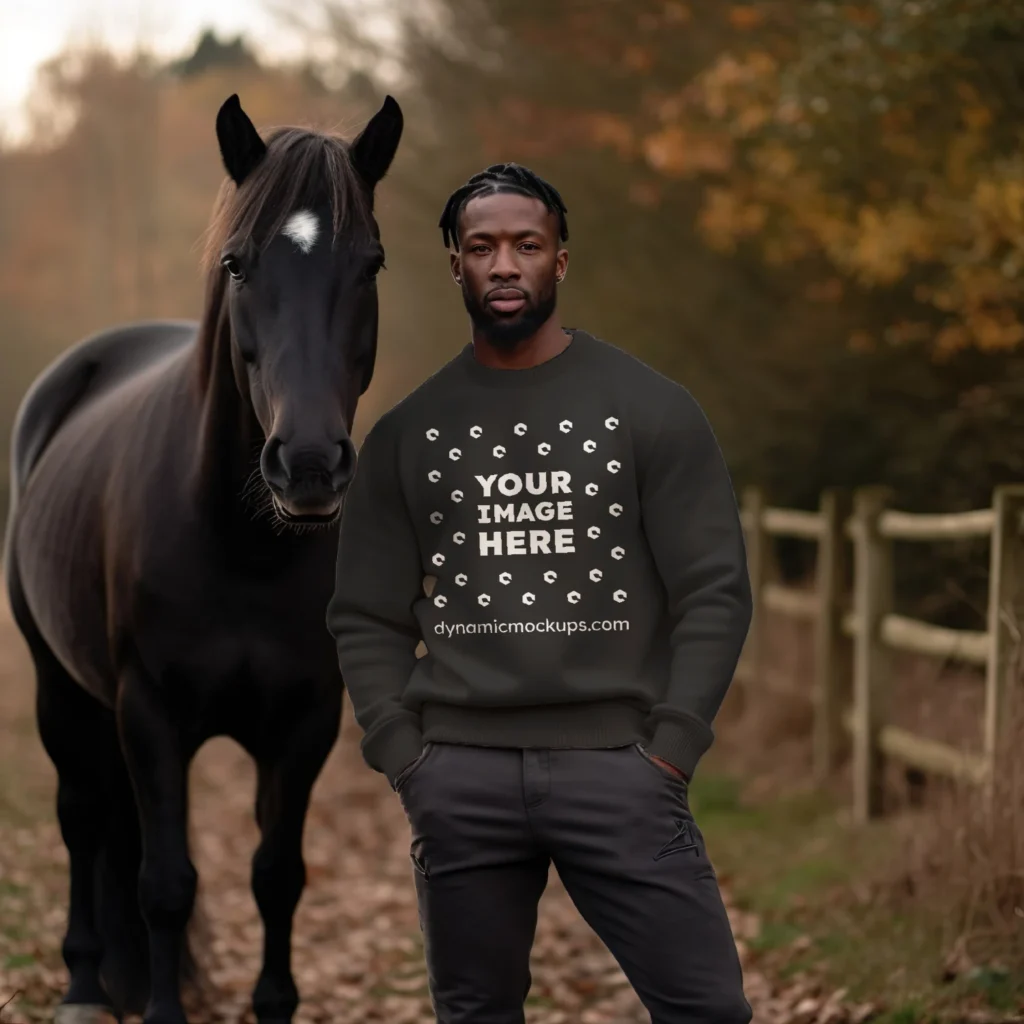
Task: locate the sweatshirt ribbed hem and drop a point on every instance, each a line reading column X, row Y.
column 558, row 726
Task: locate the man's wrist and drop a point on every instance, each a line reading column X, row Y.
column 393, row 748
column 681, row 740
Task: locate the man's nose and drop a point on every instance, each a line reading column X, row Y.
column 505, row 267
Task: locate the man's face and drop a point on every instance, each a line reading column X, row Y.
column 508, row 265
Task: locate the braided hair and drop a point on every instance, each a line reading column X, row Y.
column 501, row 178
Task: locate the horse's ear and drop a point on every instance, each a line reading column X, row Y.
column 241, row 147
column 374, row 148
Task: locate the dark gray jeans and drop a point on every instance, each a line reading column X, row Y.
column 486, row 824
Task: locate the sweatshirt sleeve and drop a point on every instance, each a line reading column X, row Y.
column 379, row 577
column 692, row 524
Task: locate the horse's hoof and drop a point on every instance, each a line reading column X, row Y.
column 84, row 1013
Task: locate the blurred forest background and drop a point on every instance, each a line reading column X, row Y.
column 811, row 214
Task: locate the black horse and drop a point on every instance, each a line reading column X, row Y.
column 170, row 555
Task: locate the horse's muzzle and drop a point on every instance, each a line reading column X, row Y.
column 307, row 515
column 308, row 484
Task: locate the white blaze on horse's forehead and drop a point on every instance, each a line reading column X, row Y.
column 302, row 228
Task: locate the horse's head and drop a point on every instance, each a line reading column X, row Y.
column 300, row 252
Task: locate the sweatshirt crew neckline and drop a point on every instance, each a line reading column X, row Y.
column 490, row 376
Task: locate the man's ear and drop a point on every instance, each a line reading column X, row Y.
column 455, row 265
column 561, row 265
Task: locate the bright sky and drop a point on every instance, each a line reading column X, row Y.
column 31, row 31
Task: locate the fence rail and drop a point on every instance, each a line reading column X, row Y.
column 856, row 629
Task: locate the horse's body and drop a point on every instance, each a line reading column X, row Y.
column 161, row 604
column 112, row 559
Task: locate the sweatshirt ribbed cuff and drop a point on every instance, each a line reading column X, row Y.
column 681, row 741
column 391, row 748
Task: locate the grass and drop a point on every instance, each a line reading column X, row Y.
column 796, row 863
column 12, row 912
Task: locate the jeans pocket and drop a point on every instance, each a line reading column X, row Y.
column 412, row 767
column 663, row 772
column 418, row 861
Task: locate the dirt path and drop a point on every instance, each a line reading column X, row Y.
column 357, row 951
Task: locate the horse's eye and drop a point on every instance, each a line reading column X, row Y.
column 375, row 268
column 233, row 267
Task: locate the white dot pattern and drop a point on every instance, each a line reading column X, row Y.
column 544, row 448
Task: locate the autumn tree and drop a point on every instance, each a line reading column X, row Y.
column 885, row 138
column 501, row 80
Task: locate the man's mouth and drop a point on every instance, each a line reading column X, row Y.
column 506, row 300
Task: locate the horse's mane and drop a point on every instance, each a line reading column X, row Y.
column 300, row 168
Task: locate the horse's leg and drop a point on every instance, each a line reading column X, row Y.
column 285, row 781
column 80, row 737
column 158, row 765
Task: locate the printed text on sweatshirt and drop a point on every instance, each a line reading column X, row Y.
column 590, row 583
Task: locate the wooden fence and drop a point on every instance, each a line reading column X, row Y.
column 855, row 627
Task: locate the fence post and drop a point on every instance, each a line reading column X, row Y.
column 832, row 655
column 1005, row 620
column 757, row 561
column 873, row 594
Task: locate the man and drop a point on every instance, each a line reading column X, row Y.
column 589, row 606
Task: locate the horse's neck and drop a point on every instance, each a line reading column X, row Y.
column 229, row 435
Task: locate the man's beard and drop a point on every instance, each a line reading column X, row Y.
column 508, row 332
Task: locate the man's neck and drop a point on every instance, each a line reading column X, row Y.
column 548, row 342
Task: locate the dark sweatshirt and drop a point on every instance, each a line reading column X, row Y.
column 591, row 583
